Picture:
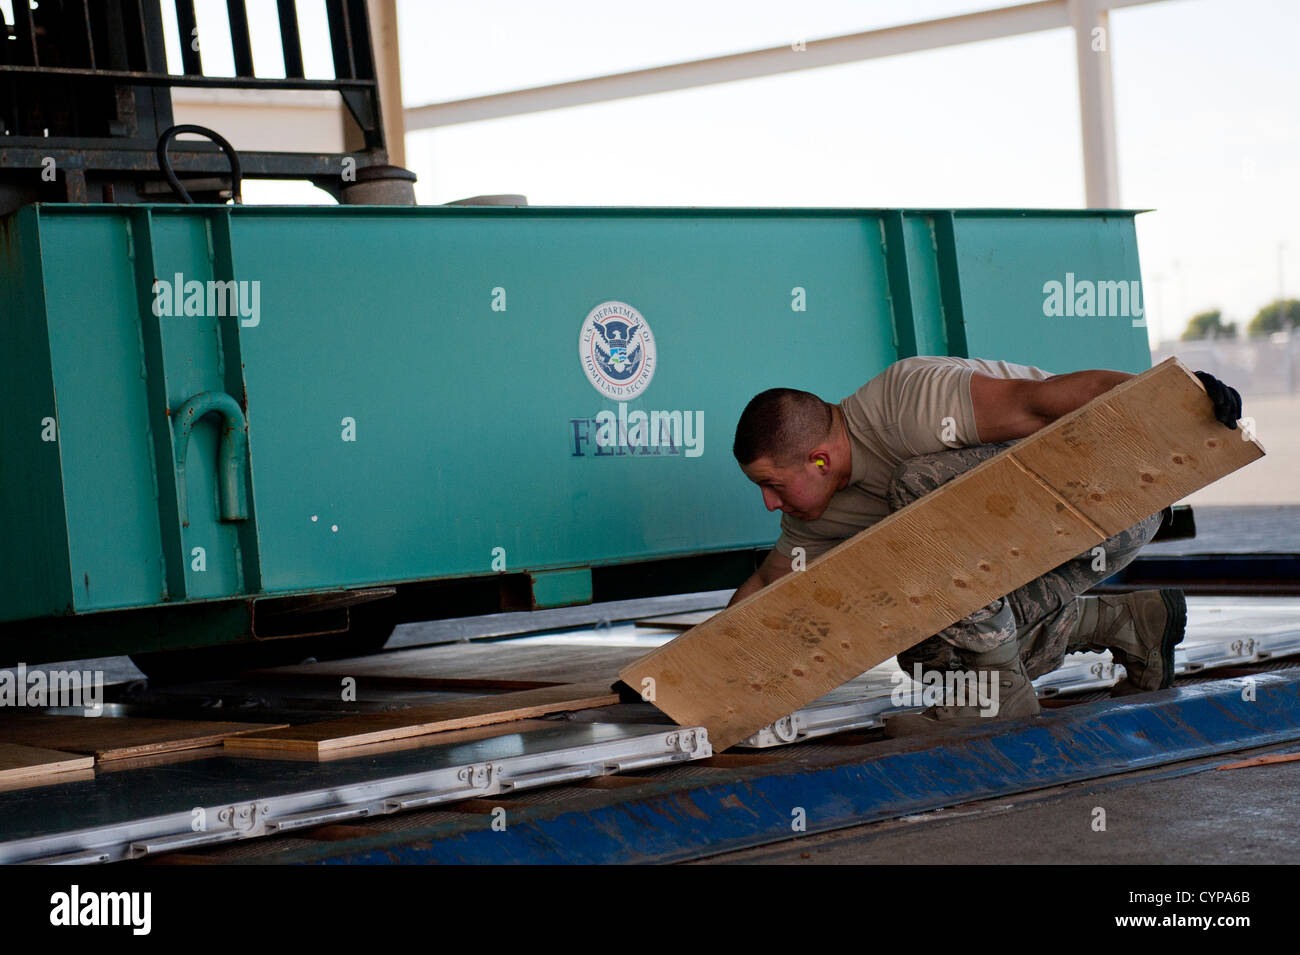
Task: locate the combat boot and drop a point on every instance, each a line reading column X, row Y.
column 1015, row 698
column 1140, row 629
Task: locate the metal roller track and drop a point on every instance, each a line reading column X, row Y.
column 1080, row 673
column 132, row 814
column 206, row 801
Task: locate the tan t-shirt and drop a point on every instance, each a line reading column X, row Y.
column 915, row 406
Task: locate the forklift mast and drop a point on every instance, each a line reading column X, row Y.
column 86, row 105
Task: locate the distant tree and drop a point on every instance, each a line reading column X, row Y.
column 1209, row 325
column 1275, row 317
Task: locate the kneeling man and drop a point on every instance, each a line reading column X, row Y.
column 836, row 469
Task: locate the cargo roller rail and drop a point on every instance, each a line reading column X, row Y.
column 599, row 771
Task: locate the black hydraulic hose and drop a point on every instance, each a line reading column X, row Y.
column 236, row 175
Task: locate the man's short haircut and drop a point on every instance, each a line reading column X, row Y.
column 782, row 424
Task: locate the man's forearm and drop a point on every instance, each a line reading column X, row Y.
column 754, row 584
column 1061, row 394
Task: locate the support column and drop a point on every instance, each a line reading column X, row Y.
column 383, row 38
column 1092, row 40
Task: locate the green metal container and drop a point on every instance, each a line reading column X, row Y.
column 391, row 395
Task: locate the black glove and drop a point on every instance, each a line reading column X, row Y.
column 1227, row 402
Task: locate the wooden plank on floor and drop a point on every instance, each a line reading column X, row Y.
column 20, row 763
column 1130, row 452
column 109, row 737
column 497, row 665
column 434, row 718
column 1266, row 760
column 677, row 621
column 444, row 738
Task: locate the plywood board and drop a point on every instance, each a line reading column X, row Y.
column 502, row 665
column 1130, row 452
column 20, row 763
column 448, row 737
column 53, row 779
column 434, row 718
column 172, row 758
column 108, row 737
column 676, row 621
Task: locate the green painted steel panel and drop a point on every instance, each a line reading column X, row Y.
column 1004, row 267
column 91, row 314
column 193, row 357
column 561, row 588
column 926, row 292
column 34, row 578
column 468, row 419
column 416, row 406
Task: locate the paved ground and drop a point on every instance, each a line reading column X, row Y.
column 1189, row 814
column 1275, row 478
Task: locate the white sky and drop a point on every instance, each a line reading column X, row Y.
column 1205, row 96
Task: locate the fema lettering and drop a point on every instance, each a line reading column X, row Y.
column 637, row 432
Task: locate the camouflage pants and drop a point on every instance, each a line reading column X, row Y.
column 1043, row 613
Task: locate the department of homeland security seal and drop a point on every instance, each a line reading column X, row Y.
column 617, row 350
